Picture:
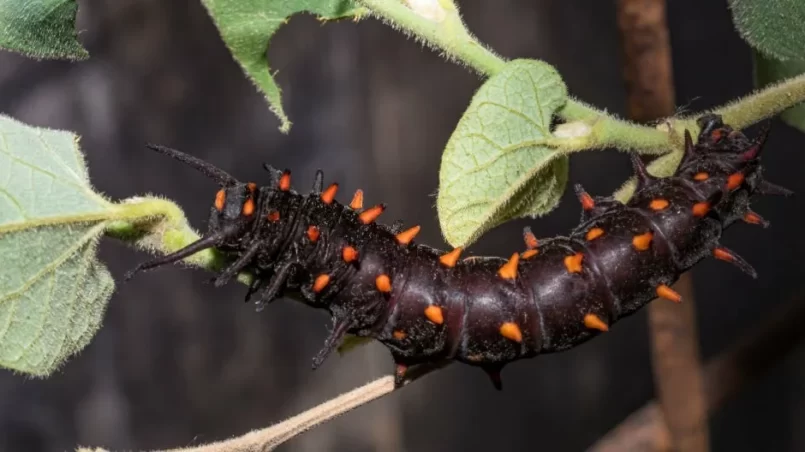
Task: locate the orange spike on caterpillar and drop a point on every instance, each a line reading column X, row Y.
column 370, row 215
column 594, row 322
column 285, row 180
column 509, row 269
column 327, row 196
column 434, row 314
column 450, row 259
column 753, row 218
column 529, row 238
column 405, row 237
column 357, row 200
column 726, row 255
column 383, row 283
column 663, row 291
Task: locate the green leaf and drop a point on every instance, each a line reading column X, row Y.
column 497, row 165
column 774, row 27
column 53, row 291
column 41, row 28
column 246, row 26
column 769, row 71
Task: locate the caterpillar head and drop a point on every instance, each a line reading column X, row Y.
column 234, row 209
column 722, row 158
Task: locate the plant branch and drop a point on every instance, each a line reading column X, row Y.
column 440, row 27
column 648, row 73
column 725, row 376
column 764, row 104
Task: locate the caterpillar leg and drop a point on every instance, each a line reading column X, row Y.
column 275, row 284
column 255, row 286
column 242, row 262
column 340, row 328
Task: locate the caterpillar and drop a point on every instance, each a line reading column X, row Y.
column 430, row 306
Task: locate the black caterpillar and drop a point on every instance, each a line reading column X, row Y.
column 429, row 306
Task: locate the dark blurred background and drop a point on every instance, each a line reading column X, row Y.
column 178, row 363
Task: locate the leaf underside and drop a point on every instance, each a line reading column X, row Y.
column 246, row 26
column 497, row 166
column 774, row 27
column 41, row 28
column 53, row 291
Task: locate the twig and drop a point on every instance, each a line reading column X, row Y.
column 269, row 438
column 725, row 376
column 675, row 346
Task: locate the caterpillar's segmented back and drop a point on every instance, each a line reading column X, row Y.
column 428, row 306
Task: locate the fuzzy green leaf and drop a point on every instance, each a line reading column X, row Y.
column 774, row 27
column 246, row 27
column 53, row 291
column 497, row 165
column 769, row 71
column 41, row 28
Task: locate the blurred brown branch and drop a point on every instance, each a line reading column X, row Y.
column 756, row 353
column 648, row 73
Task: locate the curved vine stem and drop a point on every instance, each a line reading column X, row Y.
column 438, row 24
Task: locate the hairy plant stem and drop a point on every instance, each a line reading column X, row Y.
column 449, row 35
column 159, row 225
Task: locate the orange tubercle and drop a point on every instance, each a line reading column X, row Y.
column 285, row 181
column 328, row 195
column 405, row 237
column 594, row 322
column 511, row 331
column 573, row 263
column 220, row 199
column 357, row 200
column 449, row 259
column 313, row 233
column 370, row 215
column 248, row 207
column 349, row 254
column 399, row 335
column 434, row 314
column 594, row 233
column 700, row 209
column 251, row 186
column 724, row 255
column 666, row 292
column 735, row 180
column 530, row 240
column 321, row 282
column 383, row 283
column 753, row 218
column 658, row 204
column 528, row 254
column 642, row 242
column 587, row 202
column 273, row 216
column 509, row 269
column 701, row 176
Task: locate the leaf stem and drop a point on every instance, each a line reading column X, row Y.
column 764, row 103
column 441, row 28
column 158, row 225
column 447, row 33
